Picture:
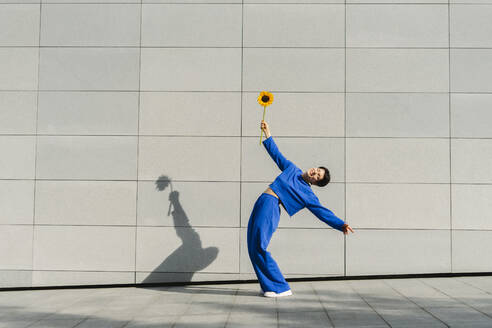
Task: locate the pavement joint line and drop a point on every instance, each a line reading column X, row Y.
column 323, row 306
column 179, row 316
column 83, row 320
column 232, row 307
column 471, row 285
column 362, row 297
column 53, row 313
column 421, row 307
column 278, row 312
column 457, row 299
column 38, row 320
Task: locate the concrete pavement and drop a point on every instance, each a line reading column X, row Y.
column 416, row 302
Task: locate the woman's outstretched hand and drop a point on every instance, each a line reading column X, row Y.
column 264, row 127
column 346, row 229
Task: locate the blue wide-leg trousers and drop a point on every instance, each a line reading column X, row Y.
column 262, row 224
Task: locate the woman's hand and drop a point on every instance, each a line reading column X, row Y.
column 264, row 127
column 346, row 229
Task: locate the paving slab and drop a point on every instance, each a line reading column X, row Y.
column 304, row 319
column 208, row 321
column 15, row 324
column 461, row 316
column 240, row 320
column 153, row 322
column 410, row 318
column 101, row 323
column 357, row 318
column 56, row 323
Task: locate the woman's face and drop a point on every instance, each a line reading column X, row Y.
column 315, row 174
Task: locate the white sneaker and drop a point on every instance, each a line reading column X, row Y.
column 273, row 294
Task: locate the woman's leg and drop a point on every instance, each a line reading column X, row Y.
column 262, row 224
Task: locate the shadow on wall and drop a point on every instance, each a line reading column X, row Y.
column 188, row 258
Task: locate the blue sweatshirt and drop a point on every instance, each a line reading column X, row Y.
column 294, row 192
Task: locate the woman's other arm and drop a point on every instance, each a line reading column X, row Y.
column 272, row 149
column 327, row 216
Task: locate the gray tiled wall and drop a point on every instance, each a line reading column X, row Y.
column 102, row 102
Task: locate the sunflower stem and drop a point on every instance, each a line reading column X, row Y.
column 261, row 135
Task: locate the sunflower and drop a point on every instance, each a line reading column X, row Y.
column 265, row 98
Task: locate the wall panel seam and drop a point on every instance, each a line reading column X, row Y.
column 241, row 137
column 138, row 142
column 450, row 139
column 345, row 140
column 36, row 143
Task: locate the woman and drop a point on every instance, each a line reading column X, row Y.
column 291, row 189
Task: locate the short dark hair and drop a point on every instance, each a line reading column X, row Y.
column 323, row 182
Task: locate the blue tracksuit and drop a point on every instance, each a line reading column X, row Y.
column 295, row 194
